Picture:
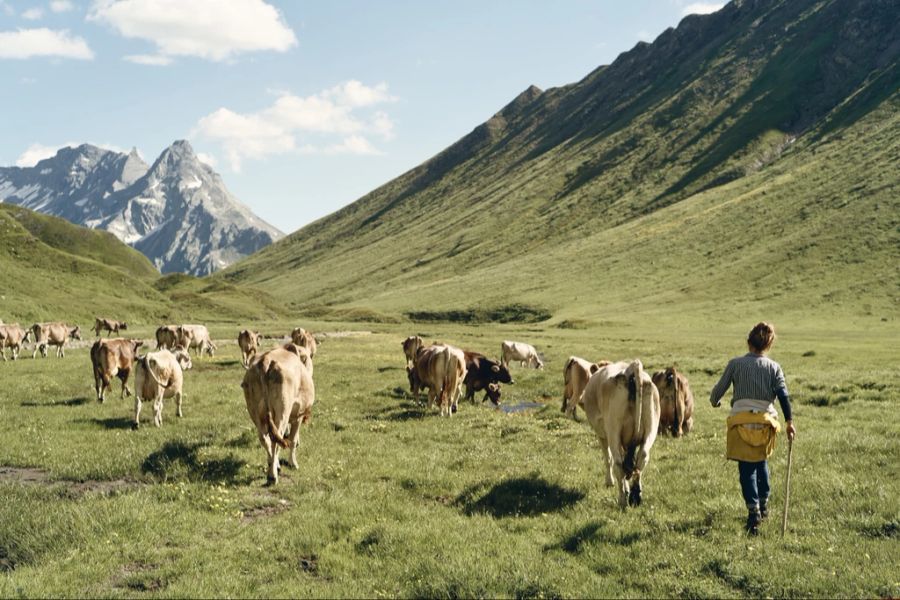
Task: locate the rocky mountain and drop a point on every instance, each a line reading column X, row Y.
column 177, row 212
column 707, row 169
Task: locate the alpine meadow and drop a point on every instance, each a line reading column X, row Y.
column 742, row 167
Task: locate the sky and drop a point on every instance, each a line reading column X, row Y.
column 301, row 106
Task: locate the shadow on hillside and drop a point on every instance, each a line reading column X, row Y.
column 405, row 411
column 180, row 458
column 520, row 497
column 111, row 422
column 69, row 402
column 384, row 369
column 593, row 533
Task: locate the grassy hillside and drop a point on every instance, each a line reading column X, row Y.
column 53, row 270
column 743, row 162
column 392, row 500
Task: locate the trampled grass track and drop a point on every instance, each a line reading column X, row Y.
column 392, row 500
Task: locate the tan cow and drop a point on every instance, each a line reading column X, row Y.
column 305, row 339
column 676, row 402
column 521, row 352
column 109, row 325
column 113, row 358
column 248, row 342
column 576, row 374
column 159, row 375
column 441, row 369
column 39, row 332
column 279, row 391
column 166, row 337
column 195, row 337
column 53, row 334
column 622, row 405
column 410, row 346
column 12, row 336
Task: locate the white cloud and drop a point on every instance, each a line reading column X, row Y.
column 27, row 43
column 209, row 29
column 207, row 159
column 59, row 6
column 701, row 8
column 36, row 153
column 33, row 14
column 354, row 144
column 337, row 119
column 157, row 60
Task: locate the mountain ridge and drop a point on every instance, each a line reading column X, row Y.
column 176, row 211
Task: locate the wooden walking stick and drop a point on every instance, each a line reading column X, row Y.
column 787, row 487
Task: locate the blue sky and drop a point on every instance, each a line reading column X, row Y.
column 303, row 107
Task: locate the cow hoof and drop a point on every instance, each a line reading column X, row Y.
column 134, row 426
column 634, row 497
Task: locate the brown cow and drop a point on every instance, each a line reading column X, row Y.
column 411, row 345
column 109, row 325
column 441, row 369
column 279, row 391
column 113, row 358
column 576, row 374
column 159, row 375
column 166, row 337
column 305, row 339
column 53, row 334
column 248, row 341
column 676, row 402
column 12, row 336
column 622, row 405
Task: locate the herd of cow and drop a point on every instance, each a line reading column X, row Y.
column 626, row 407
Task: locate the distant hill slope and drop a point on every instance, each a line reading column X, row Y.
column 178, row 211
column 54, row 270
column 745, row 161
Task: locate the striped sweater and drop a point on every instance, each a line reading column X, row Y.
column 753, row 376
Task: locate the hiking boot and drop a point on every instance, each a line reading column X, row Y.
column 753, row 520
column 763, row 511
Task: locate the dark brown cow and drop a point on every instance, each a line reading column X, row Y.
column 109, row 325
column 676, row 402
column 113, row 358
column 482, row 373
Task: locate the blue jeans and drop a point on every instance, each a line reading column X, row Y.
column 754, row 483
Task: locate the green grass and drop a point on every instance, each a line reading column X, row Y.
column 53, row 270
column 392, row 500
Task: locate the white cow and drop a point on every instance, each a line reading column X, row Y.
column 159, row 375
column 522, row 352
column 195, row 337
column 622, row 405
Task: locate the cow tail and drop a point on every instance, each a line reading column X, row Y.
column 637, row 371
column 271, row 375
column 273, row 431
column 679, row 405
column 148, row 364
column 566, row 370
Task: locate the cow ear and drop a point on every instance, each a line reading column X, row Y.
column 495, row 368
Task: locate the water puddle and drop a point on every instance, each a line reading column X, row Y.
column 520, row 407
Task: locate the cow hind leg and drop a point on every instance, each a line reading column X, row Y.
column 266, row 442
column 294, row 436
column 137, row 412
column 179, row 396
column 157, row 410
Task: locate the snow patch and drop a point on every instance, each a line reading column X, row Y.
column 192, row 185
column 46, row 171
